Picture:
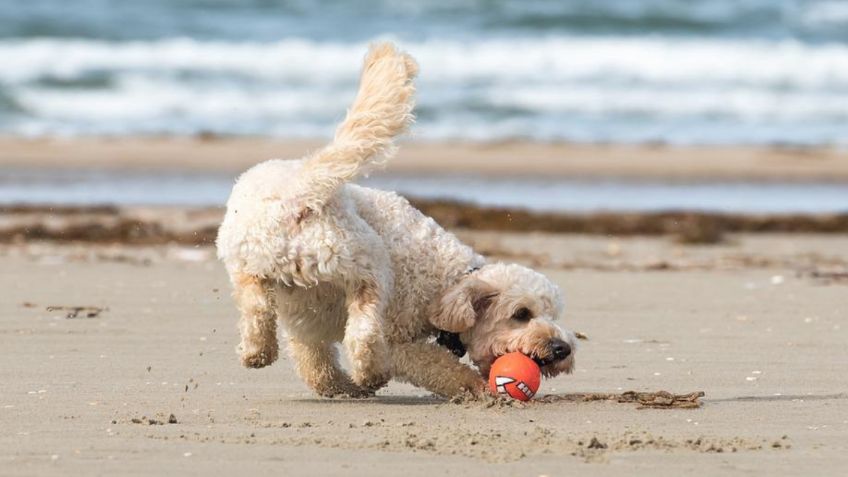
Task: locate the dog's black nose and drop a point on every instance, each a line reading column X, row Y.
column 559, row 349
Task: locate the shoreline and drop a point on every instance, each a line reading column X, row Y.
column 497, row 159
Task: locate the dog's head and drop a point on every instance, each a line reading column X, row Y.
column 504, row 308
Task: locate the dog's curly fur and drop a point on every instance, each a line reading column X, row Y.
column 336, row 262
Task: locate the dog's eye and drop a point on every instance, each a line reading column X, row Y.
column 522, row 314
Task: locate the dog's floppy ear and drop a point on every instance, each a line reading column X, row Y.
column 462, row 304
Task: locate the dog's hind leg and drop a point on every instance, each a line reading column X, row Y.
column 364, row 337
column 436, row 369
column 258, row 324
column 314, row 319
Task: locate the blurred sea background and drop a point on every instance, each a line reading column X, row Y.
column 769, row 73
column 670, row 71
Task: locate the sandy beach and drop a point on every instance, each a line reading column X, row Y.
column 147, row 381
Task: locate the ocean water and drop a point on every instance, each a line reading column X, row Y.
column 673, row 71
column 81, row 187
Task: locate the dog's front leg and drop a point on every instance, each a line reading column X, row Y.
column 258, row 323
column 436, row 369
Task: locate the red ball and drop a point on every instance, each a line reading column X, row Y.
column 516, row 375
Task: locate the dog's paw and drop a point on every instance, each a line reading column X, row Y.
column 471, row 388
column 258, row 358
column 477, row 388
column 371, row 371
column 371, row 382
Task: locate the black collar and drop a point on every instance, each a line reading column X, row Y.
column 451, row 340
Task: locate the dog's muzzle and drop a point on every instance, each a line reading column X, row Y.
column 558, row 350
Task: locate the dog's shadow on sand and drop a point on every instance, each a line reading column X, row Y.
column 655, row 400
column 382, row 400
column 652, row 400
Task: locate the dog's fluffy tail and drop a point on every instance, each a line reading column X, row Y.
column 382, row 110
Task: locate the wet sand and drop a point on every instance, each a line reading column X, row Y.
column 758, row 323
column 654, row 162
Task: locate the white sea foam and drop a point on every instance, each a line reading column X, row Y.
column 557, row 87
column 291, row 59
column 652, row 59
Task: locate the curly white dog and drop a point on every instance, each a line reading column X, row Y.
column 336, row 262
